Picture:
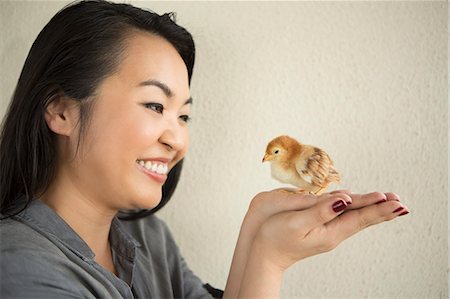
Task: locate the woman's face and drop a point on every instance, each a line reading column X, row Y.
column 137, row 130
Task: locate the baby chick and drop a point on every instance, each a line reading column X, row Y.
column 301, row 165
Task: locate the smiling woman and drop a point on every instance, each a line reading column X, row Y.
column 130, row 123
column 95, row 136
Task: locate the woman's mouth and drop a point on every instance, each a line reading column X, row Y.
column 156, row 170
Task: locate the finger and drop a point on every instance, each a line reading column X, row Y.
column 273, row 202
column 292, row 201
column 345, row 191
column 289, row 190
column 392, row 196
column 344, row 195
column 363, row 200
column 354, row 221
column 321, row 213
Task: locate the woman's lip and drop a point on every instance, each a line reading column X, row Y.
column 160, row 178
column 158, row 159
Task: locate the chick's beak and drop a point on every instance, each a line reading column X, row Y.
column 266, row 157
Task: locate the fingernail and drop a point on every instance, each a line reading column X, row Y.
column 398, row 209
column 339, row 206
column 381, row 201
column 404, row 213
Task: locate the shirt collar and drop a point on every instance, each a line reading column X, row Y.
column 122, row 242
column 45, row 220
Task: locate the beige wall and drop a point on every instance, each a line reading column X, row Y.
column 366, row 81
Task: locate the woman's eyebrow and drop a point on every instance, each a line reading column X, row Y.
column 152, row 82
column 167, row 91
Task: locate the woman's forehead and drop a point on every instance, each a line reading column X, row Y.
column 148, row 58
column 151, row 57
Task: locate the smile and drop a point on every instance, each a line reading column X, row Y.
column 155, row 166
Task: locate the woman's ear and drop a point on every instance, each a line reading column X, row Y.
column 62, row 115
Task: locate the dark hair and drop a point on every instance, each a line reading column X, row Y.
column 80, row 46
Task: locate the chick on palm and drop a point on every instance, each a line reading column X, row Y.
column 305, row 166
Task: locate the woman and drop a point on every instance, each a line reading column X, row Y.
column 92, row 145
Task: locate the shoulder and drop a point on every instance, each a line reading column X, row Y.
column 17, row 236
column 30, row 264
column 22, row 247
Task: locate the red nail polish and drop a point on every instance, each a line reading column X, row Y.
column 404, row 213
column 398, row 209
column 339, row 206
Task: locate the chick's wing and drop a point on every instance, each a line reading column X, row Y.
column 314, row 165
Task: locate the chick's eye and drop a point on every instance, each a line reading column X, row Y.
column 159, row 108
column 276, row 151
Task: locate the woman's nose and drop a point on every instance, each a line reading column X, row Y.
column 173, row 137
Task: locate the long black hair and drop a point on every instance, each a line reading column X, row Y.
column 79, row 47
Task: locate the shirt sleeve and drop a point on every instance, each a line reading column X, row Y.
column 193, row 287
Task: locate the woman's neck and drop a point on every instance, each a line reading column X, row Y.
column 85, row 216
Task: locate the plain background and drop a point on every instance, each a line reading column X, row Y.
column 366, row 81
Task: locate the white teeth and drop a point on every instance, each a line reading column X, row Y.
column 160, row 169
column 154, row 167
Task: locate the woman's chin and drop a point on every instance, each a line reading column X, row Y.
column 149, row 202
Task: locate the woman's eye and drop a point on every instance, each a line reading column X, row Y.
column 185, row 118
column 159, row 108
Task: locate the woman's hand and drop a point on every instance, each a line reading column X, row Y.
column 262, row 207
column 281, row 228
column 266, row 204
column 292, row 235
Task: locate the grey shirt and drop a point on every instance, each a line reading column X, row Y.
column 42, row 257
